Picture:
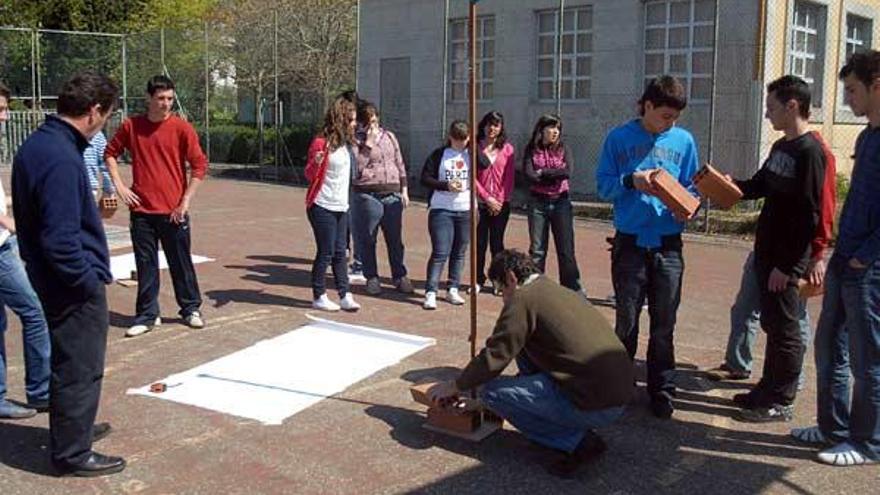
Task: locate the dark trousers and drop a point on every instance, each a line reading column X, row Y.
column 331, row 236
column 147, row 231
column 490, row 234
column 656, row 273
column 784, row 353
column 555, row 215
column 78, row 331
column 369, row 213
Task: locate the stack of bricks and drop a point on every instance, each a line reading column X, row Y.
column 674, row 195
column 452, row 416
column 713, row 185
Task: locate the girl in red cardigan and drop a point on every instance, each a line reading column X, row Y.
column 330, row 168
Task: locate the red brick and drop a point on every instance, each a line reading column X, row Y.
column 714, row 185
column 808, row 290
column 674, row 195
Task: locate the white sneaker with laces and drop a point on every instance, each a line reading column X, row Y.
column 325, row 304
column 453, row 297
column 430, row 300
column 348, row 303
column 844, row 454
column 141, row 329
column 194, row 320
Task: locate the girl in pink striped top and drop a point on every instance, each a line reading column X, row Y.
column 494, row 187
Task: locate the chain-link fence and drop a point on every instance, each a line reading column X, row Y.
column 589, row 62
column 253, row 80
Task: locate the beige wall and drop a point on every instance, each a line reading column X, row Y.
column 836, row 123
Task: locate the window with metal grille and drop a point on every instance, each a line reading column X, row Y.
column 459, row 56
column 574, row 68
column 859, row 31
column 679, row 41
column 807, row 46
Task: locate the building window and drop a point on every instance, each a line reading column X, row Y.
column 575, row 67
column 459, row 56
column 679, row 40
column 859, row 31
column 807, row 45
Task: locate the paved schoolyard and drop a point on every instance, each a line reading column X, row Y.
column 369, row 439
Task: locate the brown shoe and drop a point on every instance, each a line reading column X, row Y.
column 724, row 373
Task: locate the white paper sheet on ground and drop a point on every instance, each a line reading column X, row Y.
column 277, row 378
column 122, row 265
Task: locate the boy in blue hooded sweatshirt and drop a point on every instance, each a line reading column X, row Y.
column 646, row 258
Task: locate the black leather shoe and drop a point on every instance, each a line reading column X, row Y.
column 100, row 431
column 41, row 406
column 661, row 405
column 591, row 447
column 96, row 465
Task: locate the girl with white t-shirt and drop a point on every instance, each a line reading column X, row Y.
column 329, row 169
column 446, row 175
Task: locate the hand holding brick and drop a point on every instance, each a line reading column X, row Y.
column 714, row 185
column 674, row 195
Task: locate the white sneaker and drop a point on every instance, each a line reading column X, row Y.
column 194, row 320
column 453, row 297
column 325, row 304
column 844, row 454
column 430, row 300
column 136, row 330
column 348, row 303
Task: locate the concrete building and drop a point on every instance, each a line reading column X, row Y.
column 412, row 63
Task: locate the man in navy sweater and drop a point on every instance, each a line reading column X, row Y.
column 63, row 244
column 848, row 334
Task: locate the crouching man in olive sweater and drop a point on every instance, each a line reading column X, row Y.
column 574, row 374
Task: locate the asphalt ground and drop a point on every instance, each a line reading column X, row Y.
column 369, row 439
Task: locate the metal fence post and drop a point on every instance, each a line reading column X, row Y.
column 124, row 77
column 207, row 95
column 38, row 95
column 559, row 26
column 710, row 148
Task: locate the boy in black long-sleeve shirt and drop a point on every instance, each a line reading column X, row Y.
column 790, row 181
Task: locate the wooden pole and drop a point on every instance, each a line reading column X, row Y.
column 472, row 172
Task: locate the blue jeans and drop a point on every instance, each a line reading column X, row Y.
column 17, row 293
column 533, row 403
column 554, row 215
column 331, row 235
column 745, row 319
column 147, row 231
column 638, row 273
column 369, row 212
column 848, row 341
column 450, row 233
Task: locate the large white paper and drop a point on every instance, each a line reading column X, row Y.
column 122, row 265
column 277, row 378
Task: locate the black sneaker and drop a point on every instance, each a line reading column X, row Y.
column 661, row 405
column 590, row 448
column 773, row 414
column 746, row 400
